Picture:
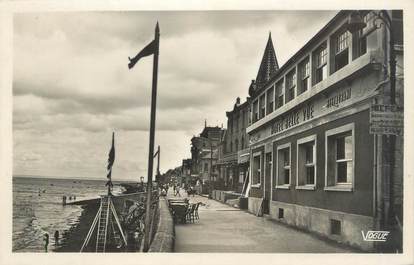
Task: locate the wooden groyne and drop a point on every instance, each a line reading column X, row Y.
column 83, row 202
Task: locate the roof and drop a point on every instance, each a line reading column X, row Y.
column 207, row 129
column 269, row 65
column 254, row 89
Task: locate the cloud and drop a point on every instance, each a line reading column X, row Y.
column 72, row 87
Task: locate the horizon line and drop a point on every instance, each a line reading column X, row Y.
column 66, row 177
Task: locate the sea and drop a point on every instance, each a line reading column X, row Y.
column 38, row 208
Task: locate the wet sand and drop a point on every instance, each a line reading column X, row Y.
column 72, row 240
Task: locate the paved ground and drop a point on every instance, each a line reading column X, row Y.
column 222, row 228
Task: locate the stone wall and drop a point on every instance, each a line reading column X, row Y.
column 224, row 196
column 254, row 205
column 319, row 221
column 165, row 236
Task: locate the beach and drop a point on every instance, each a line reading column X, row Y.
column 74, row 237
column 38, row 209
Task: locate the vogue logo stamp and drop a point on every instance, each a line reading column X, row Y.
column 375, row 236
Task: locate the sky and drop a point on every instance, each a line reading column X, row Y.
column 72, row 86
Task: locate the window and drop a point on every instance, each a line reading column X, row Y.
column 242, row 142
column 236, row 143
column 262, row 106
column 306, row 159
column 279, row 94
column 340, row 46
column 241, row 177
column 340, row 158
column 335, row 227
column 320, row 57
column 304, row 73
column 283, row 166
column 249, row 118
column 290, row 85
column 255, row 111
column 344, row 158
column 205, row 167
column 359, row 44
column 281, row 213
column 270, row 99
column 256, row 174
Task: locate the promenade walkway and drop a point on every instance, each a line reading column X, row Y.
column 222, row 228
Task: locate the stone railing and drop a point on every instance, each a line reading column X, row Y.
column 164, row 238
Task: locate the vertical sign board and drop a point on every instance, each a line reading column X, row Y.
column 386, row 119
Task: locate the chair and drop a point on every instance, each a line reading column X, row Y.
column 190, row 212
column 196, row 211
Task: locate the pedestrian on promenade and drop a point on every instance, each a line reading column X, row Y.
column 175, row 190
column 46, row 239
column 178, row 191
column 56, row 237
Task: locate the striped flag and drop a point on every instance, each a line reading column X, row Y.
column 111, row 159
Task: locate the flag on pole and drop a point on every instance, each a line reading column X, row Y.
column 148, row 50
column 111, row 159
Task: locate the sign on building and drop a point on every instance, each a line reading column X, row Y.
column 386, row 119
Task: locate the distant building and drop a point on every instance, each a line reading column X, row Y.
column 204, row 153
column 233, row 151
column 173, row 176
column 316, row 162
column 186, row 171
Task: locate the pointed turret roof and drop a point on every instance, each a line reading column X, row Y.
column 269, row 65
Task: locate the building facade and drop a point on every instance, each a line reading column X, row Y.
column 204, row 154
column 232, row 170
column 315, row 161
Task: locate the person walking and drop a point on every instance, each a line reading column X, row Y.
column 56, row 237
column 178, row 191
column 46, row 239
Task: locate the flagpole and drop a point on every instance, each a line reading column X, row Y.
column 151, row 139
